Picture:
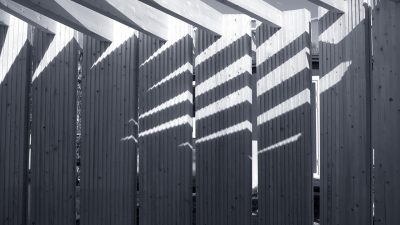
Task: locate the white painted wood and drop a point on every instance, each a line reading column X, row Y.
column 29, row 16
column 257, row 9
column 4, row 18
column 134, row 14
column 194, row 12
column 75, row 16
column 332, row 5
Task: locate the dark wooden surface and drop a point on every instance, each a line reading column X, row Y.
column 345, row 128
column 284, row 121
column 165, row 134
column 224, row 125
column 386, row 111
column 54, row 128
column 14, row 122
column 109, row 131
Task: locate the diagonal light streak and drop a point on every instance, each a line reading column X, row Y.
column 187, row 119
column 240, row 96
column 177, row 72
column 185, row 96
column 285, row 107
column 233, row 70
column 246, row 125
column 16, row 37
column 281, row 143
column 61, row 39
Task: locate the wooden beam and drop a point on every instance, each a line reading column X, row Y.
column 74, row 15
column 29, row 16
column 194, row 12
column 332, row 5
column 258, row 9
column 4, row 18
column 134, row 14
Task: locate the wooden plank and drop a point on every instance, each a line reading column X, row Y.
column 134, row 14
column 54, row 127
column 29, row 16
column 257, row 9
column 223, row 121
column 385, row 111
column 345, row 128
column 332, row 5
column 196, row 13
column 14, row 82
column 165, row 128
column 283, row 91
column 75, row 16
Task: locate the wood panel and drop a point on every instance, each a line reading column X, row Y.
column 109, row 130
column 284, row 121
column 345, row 127
column 15, row 53
column 165, row 122
column 386, row 111
column 223, row 96
column 53, row 127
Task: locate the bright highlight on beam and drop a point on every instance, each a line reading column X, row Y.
column 63, row 36
column 333, row 77
column 16, row 37
column 183, row 120
column 186, row 67
column 246, row 125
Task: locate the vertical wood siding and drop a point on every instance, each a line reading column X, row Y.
column 284, row 121
column 15, row 53
column 165, row 122
column 386, row 111
column 345, row 132
column 109, row 130
column 224, row 126
column 53, row 127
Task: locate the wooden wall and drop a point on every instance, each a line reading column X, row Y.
column 223, row 101
column 15, row 53
column 284, row 121
column 345, row 110
column 109, row 130
column 165, row 122
column 53, row 129
column 386, row 111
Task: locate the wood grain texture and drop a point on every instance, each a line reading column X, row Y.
column 53, row 129
column 223, row 98
column 15, row 56
column 284, row 121
column 109, row 130
column 345, row 128
column 165, row 134
column 386, row 110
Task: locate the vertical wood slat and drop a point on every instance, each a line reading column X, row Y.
column 223, row 94
column 165, row 119
column 15, row 56
column 54, row 127
column 345, row 130
column 284, row 121
column 109, row 130
column 386, row 111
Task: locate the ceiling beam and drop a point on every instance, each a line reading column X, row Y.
column 134, row 14
column 332, row 5
column 29, row 16
column 258, row 9
column 74, row 15
column 4, row 18
column 194, row 12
